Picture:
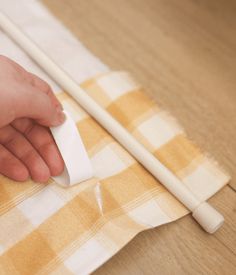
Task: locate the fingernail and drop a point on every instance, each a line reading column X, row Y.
column 61, row 116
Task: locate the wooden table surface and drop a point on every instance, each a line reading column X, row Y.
column 184, row 53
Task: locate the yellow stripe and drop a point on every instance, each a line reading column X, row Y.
column 12, row 192
column 178, row 153
column 29, row 255
column 129, row 107
column 91, row 132
column 98, row 94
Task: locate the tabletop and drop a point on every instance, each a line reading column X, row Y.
column 184, row 54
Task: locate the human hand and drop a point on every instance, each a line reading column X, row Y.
column 27, row 107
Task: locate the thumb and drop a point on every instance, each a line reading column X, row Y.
column 35, row 104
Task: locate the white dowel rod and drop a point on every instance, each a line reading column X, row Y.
column 206, row 215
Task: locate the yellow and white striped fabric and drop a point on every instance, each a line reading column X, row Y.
column 46, row 229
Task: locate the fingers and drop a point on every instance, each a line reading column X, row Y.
column 44, row 87
column 43, row 142
column 26, row 95
column 21, row 148
column 12, row 167
column 35, row 104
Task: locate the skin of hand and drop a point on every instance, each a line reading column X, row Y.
column 27, row 108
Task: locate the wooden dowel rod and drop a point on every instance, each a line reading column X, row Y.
column 205, row 214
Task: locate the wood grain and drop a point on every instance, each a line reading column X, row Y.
column 181, row 247
column 184, row 53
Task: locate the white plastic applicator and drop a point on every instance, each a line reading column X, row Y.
column 77, row 164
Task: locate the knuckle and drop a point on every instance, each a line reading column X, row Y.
column 40, row 83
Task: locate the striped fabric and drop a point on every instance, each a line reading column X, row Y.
column 47, row 229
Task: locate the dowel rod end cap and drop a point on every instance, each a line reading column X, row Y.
column 208, row 217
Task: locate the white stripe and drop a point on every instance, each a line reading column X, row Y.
column 149, row 214
column 158, row 131
column 117, row 84
column 41, row 206
column 88, row 256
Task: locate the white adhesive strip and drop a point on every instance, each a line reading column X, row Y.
column 77, row 164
